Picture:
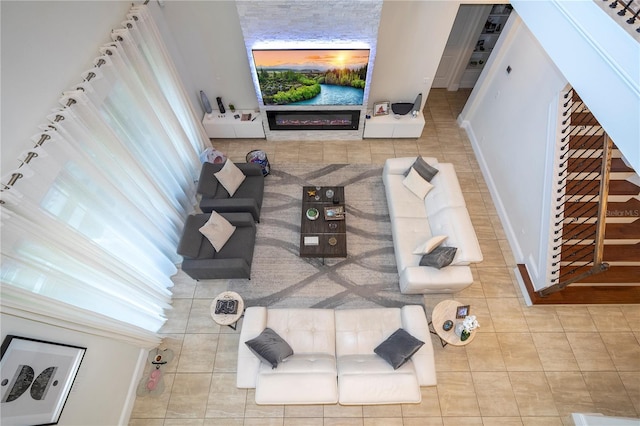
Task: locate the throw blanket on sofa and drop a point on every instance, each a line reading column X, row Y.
column 367, row 278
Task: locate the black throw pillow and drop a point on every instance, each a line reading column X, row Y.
column 398, row 348
column 439, row 257
column 423, row 169
column 270, row 347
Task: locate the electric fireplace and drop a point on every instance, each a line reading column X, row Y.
column 314, row 120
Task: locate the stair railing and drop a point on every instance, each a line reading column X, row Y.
column 584, row 154
column 628, row 10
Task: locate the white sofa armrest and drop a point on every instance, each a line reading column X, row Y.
column 425, row 279
column 254, row 322
column 414, row 321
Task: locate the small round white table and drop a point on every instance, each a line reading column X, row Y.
column 446, row 310
column 230, row 320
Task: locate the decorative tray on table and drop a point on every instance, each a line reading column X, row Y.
column 334, row 213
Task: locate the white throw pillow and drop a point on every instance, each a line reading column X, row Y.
column 218, row 230
column 430, row 244
column 230, row 176
column 417, row 184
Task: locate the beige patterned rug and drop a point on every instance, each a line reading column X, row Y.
column 367, row 277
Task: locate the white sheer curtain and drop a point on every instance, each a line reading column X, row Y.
column 95, row 220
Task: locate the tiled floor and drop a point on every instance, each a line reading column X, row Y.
column 527, row 366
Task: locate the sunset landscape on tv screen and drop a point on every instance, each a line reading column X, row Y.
column 312, row 76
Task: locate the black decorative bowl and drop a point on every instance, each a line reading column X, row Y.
column 401, row 108
column 448, row 325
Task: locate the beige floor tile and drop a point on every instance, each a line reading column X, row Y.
column 259, row 411
column 184, row 422
column 555, row 352
column 200, row 320
column 506, row 314
column 570, row 393
column 495, row 394
column 449, row 358
column 542, row 319
column 386, row 411
column 347, row 421
column 631, row 382
column 238, row 421
column 146, row 422
column 457, row 394
column 623, row 349
column 575, row 318
column 177, row 317
column 189, row 396
column 342, row 411
column 270, row 421
column 609, row 318
column 227, row 353
column 209, row 289
column 541, row 421
column 303, row 421
column 225, row 400
column 496, row 282
column 198, row 353
column 484, row 353
column 519, row 352
column 483, row 227
column 590, row 352
column 382, row 421
column 501, row 421
column 632, row 315
column 422, row 421
column 300, row 411
column 608, row 394
column 532, row 393
column 428, row 407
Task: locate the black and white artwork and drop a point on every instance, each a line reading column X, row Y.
column 35, row 380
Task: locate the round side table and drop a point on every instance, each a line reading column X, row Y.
column 446, row 310
column 230, row 320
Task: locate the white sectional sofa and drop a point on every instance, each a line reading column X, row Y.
column 413, row 221
column 333, row 356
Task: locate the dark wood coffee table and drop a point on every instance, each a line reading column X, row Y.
column 331, row 234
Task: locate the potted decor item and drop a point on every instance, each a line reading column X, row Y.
column 465, row 327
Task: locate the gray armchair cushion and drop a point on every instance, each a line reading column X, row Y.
column 201, row 261
column 247, row 198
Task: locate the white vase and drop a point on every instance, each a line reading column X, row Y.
column 458, row 328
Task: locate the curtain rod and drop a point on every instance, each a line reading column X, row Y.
column 31, row 155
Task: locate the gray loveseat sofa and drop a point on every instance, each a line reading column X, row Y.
column 200, row 259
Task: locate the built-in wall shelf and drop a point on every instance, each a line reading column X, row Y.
column 392, row 126
column 486, row 41
column 238, row 124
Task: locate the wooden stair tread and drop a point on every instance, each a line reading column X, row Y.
column 611, row 253
column 616, row 187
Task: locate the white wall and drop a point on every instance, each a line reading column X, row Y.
column 99, row 395
column 411, row 39
column 510, row 119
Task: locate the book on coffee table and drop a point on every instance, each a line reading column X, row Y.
column 334, row 213
column 229, row 306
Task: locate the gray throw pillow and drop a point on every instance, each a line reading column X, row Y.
column 439, row 257
column 424, row 169
column 270, row 347
column 398, row 348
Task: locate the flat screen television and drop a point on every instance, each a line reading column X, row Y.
column 311, row 76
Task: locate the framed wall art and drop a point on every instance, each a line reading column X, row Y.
column 35, row 379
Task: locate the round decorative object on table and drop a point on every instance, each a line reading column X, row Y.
column 448, row 324
column 333, row 225
column 228, row 319
column 312, row 213
column 333, row 241
column 329, row 193
column 459, row 328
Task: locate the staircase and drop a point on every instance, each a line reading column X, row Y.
column 593, row 260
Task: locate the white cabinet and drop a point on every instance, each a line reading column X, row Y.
column 388, row 126
column 227, row 126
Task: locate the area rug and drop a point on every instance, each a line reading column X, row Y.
column 367, row 277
